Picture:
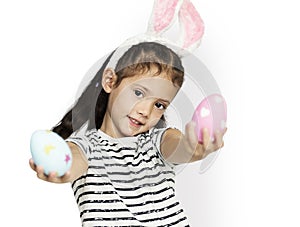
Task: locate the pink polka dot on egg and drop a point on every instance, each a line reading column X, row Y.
column 211, row 113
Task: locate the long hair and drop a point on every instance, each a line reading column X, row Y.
column 91, row 105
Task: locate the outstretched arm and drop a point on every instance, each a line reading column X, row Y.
column 78, row 167
column 178, row 148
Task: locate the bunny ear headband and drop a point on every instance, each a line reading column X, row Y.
column 164, row 14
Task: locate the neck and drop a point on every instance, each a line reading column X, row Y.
column 108, row 128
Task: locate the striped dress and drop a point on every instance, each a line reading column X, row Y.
column 128, row 182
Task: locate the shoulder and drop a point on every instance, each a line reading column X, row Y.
column 172, row 133
column 161, row 134
column 83, row 139
column 153, row 134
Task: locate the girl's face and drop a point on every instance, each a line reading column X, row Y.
column 137, row 104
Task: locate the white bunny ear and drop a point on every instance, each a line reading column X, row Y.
column 163, row 15
column 191, row 25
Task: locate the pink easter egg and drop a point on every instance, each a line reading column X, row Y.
column 211, row 113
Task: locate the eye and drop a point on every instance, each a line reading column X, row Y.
column 160, row 106
column 138, row 93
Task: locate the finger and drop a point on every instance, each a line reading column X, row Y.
column 40, row 173
column 52, row 177
column 206, row 138
column 218, row 140
column 224, row 131
column 66, row 177
column 190, row 131
column 32, row 164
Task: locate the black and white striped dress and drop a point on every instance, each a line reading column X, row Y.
column 128, row 182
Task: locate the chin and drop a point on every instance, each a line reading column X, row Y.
column 137, row 132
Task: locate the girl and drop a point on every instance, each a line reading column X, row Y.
column 122, row 172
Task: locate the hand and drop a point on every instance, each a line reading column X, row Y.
column 201, row 150
column 51, row 177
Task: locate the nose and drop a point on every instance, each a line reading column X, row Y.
column 144, row 108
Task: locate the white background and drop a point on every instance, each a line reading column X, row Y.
column 252, row 49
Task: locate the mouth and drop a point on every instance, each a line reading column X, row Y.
column 134, row 122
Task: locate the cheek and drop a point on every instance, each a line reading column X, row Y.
column 122, row 103
column 155, row 117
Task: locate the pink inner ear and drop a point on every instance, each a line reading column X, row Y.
column 192, row 24
column 164, row 11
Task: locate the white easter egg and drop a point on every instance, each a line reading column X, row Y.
column 50, row 151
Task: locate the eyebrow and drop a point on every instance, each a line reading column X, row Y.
column 164, row 100
column 147, row 90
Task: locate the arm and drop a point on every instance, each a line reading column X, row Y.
column 179, row 148
column 78, row 167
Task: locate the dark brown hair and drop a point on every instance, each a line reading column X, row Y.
column 91, row 105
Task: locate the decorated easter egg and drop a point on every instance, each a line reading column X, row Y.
column 211, row 113
column 50, row 151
